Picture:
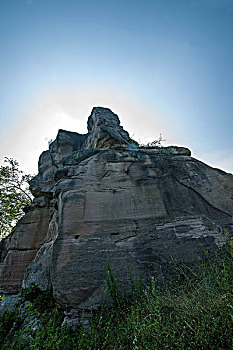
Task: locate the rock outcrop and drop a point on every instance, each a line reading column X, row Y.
column 99, row 195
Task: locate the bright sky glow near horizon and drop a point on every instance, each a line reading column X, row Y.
column 162, row 66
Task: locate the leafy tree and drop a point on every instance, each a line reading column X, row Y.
column 14, row 195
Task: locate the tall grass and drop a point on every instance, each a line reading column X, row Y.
column 195, row 312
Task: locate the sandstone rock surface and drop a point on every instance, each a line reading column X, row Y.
column 107, row 197
column 20, row 247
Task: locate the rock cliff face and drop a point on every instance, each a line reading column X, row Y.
column 99, row 195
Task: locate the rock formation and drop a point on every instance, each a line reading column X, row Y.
column 99, row 195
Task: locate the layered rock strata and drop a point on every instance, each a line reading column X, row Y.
column 99, row 195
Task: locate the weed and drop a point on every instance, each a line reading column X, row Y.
column 193, row 313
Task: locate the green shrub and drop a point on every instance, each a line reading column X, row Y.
column 193, row 313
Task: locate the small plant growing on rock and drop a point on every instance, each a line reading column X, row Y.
column 154, row 144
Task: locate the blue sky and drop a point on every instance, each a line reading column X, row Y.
column 162, row 66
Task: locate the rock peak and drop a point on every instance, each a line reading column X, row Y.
column 101, row 116
column 104, row 130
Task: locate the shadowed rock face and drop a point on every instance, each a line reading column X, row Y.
column 20, row 247
column 107, row 197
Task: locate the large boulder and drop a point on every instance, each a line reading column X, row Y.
column 139, row 209
column 111, row 200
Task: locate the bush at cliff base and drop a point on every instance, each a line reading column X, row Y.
column 195, row 311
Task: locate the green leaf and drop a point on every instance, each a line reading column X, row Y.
column 14, row 195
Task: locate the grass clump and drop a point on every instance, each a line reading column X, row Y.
column 194, row 314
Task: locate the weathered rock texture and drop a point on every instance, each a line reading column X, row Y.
column 20, row 247
column 100, row 194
